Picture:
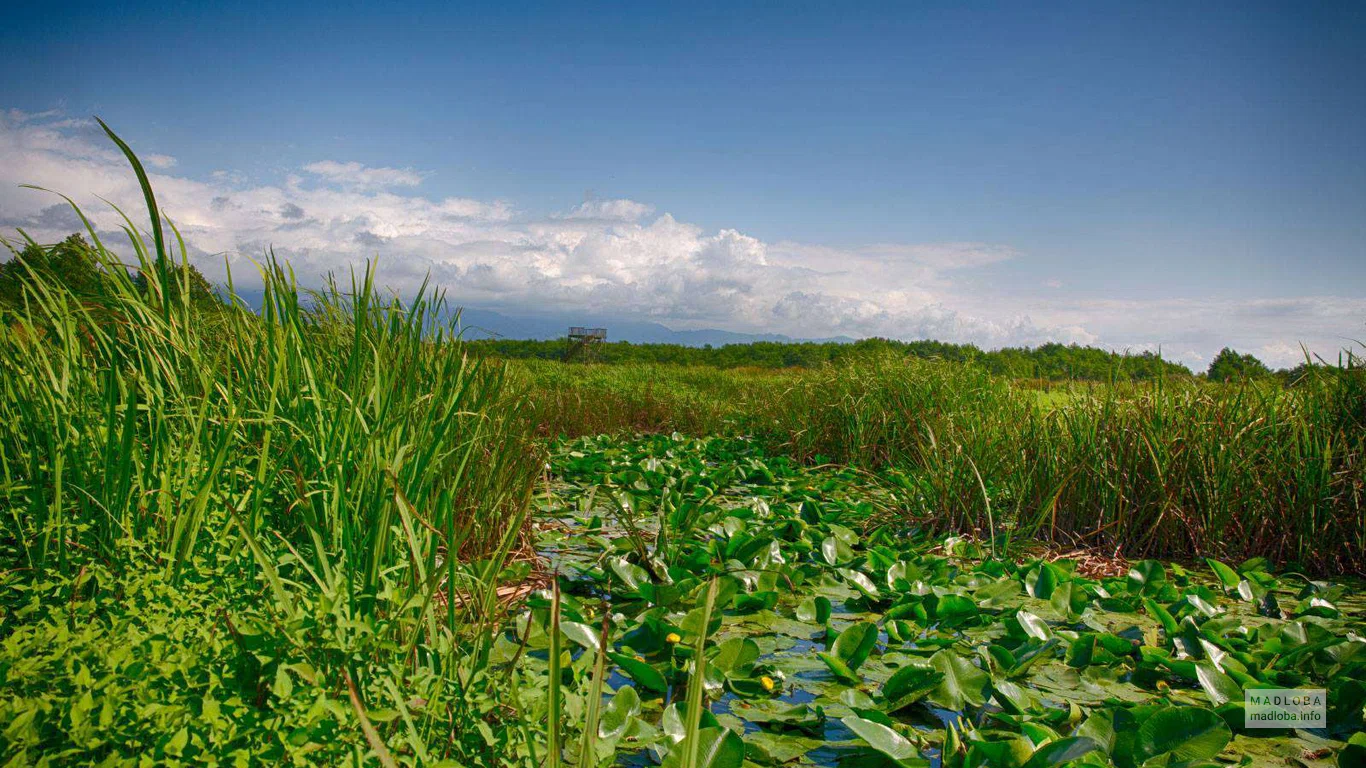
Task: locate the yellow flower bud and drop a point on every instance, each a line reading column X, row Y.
column 767, row 683
column 672, row 638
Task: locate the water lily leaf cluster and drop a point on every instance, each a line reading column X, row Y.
column 839, row 633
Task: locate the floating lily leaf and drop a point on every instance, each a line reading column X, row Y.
column 779, row 748
column 955, row 610
column 1062, row 751
column 755, row 601
column 1068, row 599
column 963, row 684
column 692, row 622
column 882, row 738
column 1225, row 574
column 1097, row 648
column 673, row 722
column 1353, row 754
column 582, row 634
column 641, row 672
column 1008, row 753
column 1162, row 615
column 815, row 609
column 1202, row 605
column 1013, row 698
column 835, row 552
column 631, row 575
column 1185, row 733
column 753, row 687
column 861, row 582
column 850, row 650
column 1219, row 687
column 997, row 594
column 1147, row 577
column 900, row 630
column 774, row 714
column 717, row 747
column 735, row 656
column 1100, row 728
column 909, row 685
column 1033, row 626
column 617, row 715
column 1041, row 582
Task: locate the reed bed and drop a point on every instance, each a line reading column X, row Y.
column 312, row 502
column 1177, row 469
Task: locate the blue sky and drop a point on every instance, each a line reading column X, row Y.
column 1131, row 175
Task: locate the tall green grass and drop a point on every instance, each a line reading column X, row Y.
column 1171, row 469
column 335, row 450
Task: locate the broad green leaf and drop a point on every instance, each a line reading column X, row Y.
column 1353, row 754
column 736, row 656
column 1062, row 751
column 1163, row 616
column 1219, row 687
column 997, row 593
column 641, row 672
column 1034, row 626
column 1068, row 599
column 953, row 610
column 882, row 738
column 963, row 684
column 861, row 582
column 770, row 748
column 814, row 609
column 581, row 634
column 835, row 552
column 1225, row 574
column 616, row 716
column 672, row 724
column 717, row 747
column 908, row 685
column 630, row 574
column 1202, row 605
column 850, row 650
column 855, row 643
column 1185, row 733
column 774, row 713
column 1042, row 581
column 1147, row 577
column 1012, row 752
column 1100, row 728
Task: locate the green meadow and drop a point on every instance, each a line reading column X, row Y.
column 327, row 529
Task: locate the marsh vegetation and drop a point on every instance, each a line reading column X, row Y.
column 323, row 530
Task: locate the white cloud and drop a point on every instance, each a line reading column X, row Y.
column 616, row 258
column 610, row 210
column 356, row 176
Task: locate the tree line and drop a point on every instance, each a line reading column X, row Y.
column 72, row 263
column 1048, row 361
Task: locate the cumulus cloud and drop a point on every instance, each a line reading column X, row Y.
column 618, row 258
column 357, row 176
column 610, row 210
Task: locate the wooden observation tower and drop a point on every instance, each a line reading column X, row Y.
column 582, row 342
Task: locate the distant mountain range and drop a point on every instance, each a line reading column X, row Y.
column 483, row 323
column 486, row 324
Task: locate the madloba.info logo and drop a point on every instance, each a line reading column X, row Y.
column 1285, row 708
